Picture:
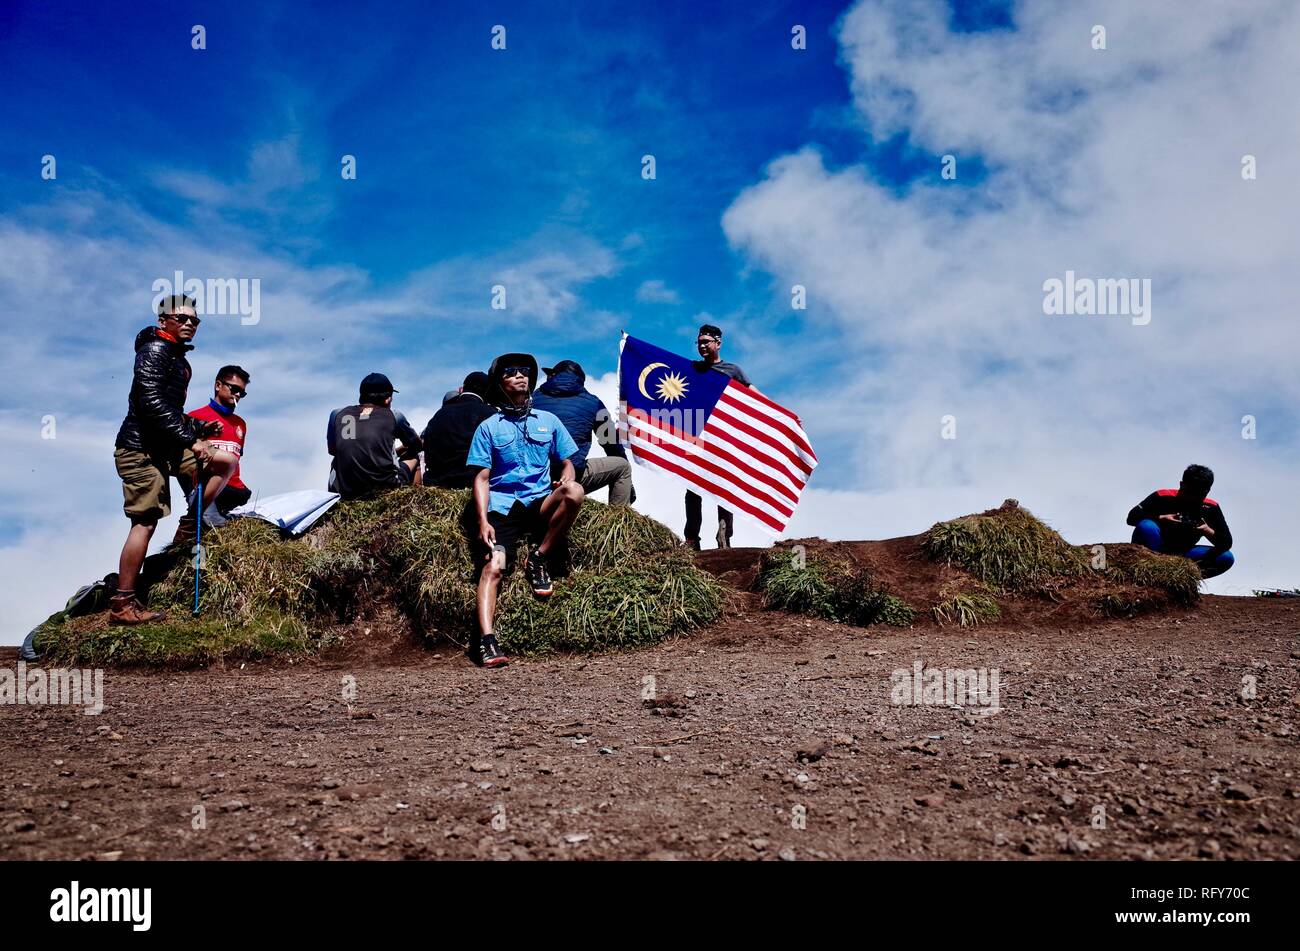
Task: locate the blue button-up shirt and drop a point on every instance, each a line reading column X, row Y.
column 517, row 452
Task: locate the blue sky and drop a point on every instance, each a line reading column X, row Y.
column 774, row 167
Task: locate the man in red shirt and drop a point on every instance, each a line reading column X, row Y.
column 230, row 387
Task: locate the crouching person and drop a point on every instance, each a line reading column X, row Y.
column 1172, row 521
column 514, row 496
column 152, row 440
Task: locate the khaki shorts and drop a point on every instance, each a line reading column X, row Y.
column 146, row 493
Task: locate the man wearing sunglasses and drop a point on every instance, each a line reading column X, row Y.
column 230, row 387
column 152, row 440
column 514, row 497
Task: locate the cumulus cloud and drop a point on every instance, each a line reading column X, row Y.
column 656, row 292
column 1115, row 163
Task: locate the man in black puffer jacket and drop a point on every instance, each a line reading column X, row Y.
column 157, row 440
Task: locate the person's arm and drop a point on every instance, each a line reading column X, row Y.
column 1215, row 528
column 156, row 414
column 329, row 431
column 1143, row 510
column 563, row 449
column 486, row 533
column 411, row 444
column 605, row 431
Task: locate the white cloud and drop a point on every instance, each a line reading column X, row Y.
column 656, row 292
column 1115, row 163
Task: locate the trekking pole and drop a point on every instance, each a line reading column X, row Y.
column 198, row 529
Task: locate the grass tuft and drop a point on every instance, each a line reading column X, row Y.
column 829, row 587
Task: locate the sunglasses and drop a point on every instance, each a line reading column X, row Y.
column 183, row 318
column 234, row 389
column 515, row 371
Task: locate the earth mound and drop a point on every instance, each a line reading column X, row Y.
column 1000, row 564
column 399, row 566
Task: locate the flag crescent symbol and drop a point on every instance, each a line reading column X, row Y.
column 640, row 384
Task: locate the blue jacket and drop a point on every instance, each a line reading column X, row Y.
column 581, row 412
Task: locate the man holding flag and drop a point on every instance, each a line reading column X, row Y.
column 702, row 422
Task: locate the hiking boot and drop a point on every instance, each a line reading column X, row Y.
column 539, row 579
column 693, row 544
column 187, row 532
column 491, row 655
column 127, row 610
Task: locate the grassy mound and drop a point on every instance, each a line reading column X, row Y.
column 404, row 555
column 1007, row 549
column 826, row 586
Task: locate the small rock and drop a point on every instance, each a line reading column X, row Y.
column 110, row 856
column 480, row 766
column 786, row 855
column 1210, row 849
column 575, row 838
column 23, row 825
column 235, row 805
column 606, row 750
column 330, row 783
column 932, row 799
column 813, row 754
column 758, row 845
column 1240, row 791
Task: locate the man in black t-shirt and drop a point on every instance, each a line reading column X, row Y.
column 447, row 437
column 361, row 439
column 1172, row 521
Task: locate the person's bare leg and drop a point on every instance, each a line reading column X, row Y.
column 217, row 472
column 489, row 583
column 133, row 553
column 560, row 509
column 417, row 477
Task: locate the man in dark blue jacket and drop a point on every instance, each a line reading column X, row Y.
column 564, row 393
column 447, row 437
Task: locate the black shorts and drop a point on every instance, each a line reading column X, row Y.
column 521, row 522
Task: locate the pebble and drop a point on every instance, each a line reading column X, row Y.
column 480, row 766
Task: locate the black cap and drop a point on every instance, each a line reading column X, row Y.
column 378, row 384
column 565, row 366
column 476, row 382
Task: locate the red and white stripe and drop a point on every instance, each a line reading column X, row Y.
column 752, row 456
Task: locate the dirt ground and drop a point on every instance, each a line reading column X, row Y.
column 770, row 737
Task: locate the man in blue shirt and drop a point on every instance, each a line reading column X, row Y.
column 513, row 492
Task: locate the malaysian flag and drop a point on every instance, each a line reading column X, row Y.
column 723, row 439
